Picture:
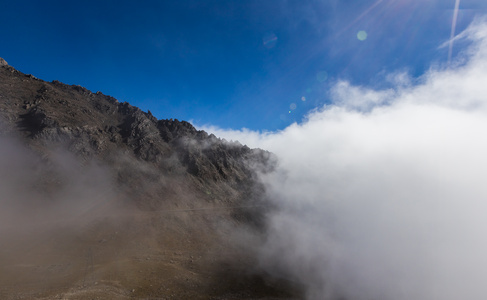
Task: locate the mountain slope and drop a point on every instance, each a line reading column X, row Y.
column 101, row 199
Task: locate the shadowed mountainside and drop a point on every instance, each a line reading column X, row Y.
column 101, row 200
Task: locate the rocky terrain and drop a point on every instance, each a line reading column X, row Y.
column 100, row 200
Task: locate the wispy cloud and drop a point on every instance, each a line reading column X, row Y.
column 382, row 194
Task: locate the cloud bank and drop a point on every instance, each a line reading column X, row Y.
column 382, row 194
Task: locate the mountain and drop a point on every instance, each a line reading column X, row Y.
column 100, row 200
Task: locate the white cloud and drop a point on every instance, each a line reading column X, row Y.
column 384, row 194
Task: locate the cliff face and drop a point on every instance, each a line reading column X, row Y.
column 125, row 188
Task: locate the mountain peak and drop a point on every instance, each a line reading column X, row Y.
column 3, row 62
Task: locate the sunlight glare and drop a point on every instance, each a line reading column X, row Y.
column 453, row 26
column 360, row 17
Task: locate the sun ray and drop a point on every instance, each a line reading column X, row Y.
column 453, row 26
column 359, row 17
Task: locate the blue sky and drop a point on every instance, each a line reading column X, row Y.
column 260, row 65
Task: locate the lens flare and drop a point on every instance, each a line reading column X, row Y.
column 362, row 35
column 269, row 40
column 321, row 76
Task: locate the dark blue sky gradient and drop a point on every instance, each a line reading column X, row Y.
column 232, row 64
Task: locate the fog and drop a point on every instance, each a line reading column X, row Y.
column 382, row 193
column 84, row 227
column 41, row 193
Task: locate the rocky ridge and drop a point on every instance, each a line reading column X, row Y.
column 96, row 126
column 136, row 207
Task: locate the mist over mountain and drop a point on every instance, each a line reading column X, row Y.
column 99, row 199
column 382, row 193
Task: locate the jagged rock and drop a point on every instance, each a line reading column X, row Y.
column 96, row 126
column 3, row 62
